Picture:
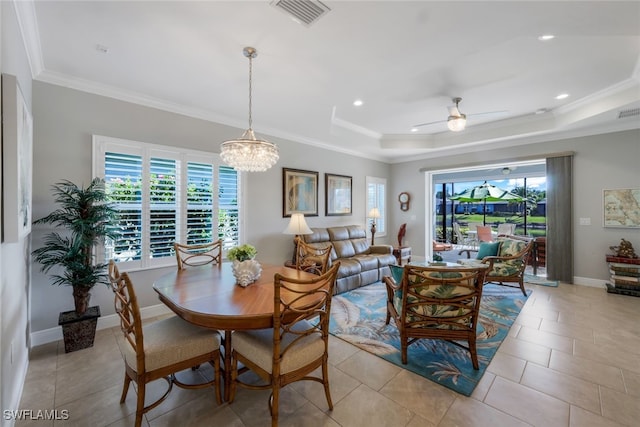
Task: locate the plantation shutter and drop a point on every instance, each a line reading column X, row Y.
column 199, row 203
column 123, row 179
column 163, row 206
column 228, row 210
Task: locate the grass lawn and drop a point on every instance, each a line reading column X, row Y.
column 535, row 224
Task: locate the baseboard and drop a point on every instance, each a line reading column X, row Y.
column 16, row 394
column 586, row 281
column 55, row 334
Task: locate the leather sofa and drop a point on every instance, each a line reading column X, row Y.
column 360, row 263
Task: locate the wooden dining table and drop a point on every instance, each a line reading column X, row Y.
column 208, row 296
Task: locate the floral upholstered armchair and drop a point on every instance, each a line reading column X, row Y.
column 435, row 303
column 509, row 262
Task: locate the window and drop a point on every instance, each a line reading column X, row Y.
column 165, row 194
column 377, row 198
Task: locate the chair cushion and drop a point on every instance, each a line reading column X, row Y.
column 435, row 291
column 510, row 247
column 488, row 249
column 507, row 268
column 258, row 347
column 171, row 340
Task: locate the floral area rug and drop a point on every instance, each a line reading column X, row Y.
column 358, row 317
column 536, row 280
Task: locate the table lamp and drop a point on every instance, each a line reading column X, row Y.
column 374, row 214
column 297, row 226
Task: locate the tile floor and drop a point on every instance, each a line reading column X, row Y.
column 572, row 359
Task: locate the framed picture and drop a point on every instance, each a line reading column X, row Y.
column 622, row 208
column 299, row 192
column 17, row 149
column 337, row 194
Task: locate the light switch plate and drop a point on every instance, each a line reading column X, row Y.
column 585, row 221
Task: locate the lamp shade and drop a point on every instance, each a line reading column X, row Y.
column 374, row 213
column 297, row 225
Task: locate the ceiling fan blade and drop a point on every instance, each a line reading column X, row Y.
column 486, row 113
column 430, row 123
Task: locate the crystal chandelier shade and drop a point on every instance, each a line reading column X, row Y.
column 247, row 153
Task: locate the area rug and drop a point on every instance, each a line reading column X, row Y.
column 358, row 317
column 542, row 281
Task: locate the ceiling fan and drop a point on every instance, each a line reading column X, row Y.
column 457, row 121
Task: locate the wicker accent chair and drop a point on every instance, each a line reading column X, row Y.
column 200, row 254
column 509, row 264
column 297, row 344
column 312, row 259
column 159, row 349
column 436, row 303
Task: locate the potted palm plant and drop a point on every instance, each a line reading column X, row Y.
column 85, row 219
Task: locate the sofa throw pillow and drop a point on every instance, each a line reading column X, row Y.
column 488, row 249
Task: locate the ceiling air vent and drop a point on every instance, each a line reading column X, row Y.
column 305, row 12
column 631, row 112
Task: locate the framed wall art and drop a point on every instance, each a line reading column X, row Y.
column 17, row 149
column 337, row 194
column 622, row 208
column 299, row 192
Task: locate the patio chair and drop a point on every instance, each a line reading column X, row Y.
column 461, row 238
column 506, row 228
column 484, row 233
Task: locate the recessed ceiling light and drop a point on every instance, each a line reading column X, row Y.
column 562, row 96
column 546, row 37
column 414, row 129
column 357, row 102
column 542, row 110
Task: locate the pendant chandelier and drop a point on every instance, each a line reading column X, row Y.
column 247, row 153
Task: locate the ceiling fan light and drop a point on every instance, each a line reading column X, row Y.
column 457, row 123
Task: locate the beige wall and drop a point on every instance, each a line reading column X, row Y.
column 14, row 257
column 604, row 161
column 65, row 120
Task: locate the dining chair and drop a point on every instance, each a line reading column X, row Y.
column 312, row 259
column 198, row 254
column 160, row 349
column 297, row 344
column 436, row 303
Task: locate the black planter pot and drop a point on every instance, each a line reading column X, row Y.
column 79, row 331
